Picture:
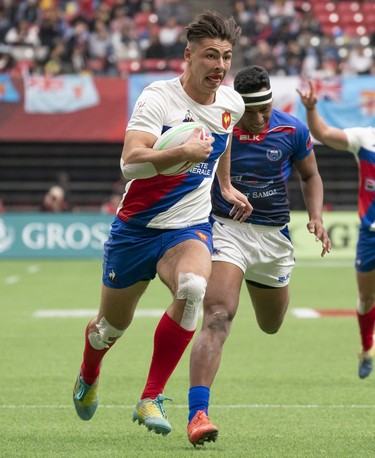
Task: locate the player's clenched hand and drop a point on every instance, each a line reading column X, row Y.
column 242, row 208
column 316, row 228
column 199, row 146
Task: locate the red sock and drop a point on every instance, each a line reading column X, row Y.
column 366, row 328
column 170, row 342
column 92, row 359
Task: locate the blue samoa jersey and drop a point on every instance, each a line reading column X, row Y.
column 261, row 165
column 172, row 202
column 361, row 142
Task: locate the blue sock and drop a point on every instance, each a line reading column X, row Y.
column 199, row 397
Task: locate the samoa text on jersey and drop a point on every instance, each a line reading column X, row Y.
column 261, row 165
column 169, row 202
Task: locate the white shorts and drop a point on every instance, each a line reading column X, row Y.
column 263, row 253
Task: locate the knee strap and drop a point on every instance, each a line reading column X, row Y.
column 106, row 335
column 191, row 287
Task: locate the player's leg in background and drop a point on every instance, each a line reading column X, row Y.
column 270, row 305
column 366, row 320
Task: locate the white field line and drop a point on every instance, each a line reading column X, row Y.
column 64, row 313
column 224, row 406
column 12, row 280
column 148, row 313
column 304, row 313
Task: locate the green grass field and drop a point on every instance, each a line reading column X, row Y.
column 293, row 394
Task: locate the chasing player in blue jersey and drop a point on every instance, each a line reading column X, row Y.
column 361, row 142
column 162, row 224
column 266, row 144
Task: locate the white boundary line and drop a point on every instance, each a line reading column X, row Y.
column 224, row 406
column 79, row 313
column 304, row 313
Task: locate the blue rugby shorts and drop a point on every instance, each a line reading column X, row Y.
column 131, row 252
column 365, row 256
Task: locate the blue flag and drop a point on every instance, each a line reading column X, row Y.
column 8, row 92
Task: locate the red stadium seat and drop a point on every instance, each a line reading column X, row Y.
column 368, row 6
column 176, row 65
column 96, row 65
column 343, row 7
column 141, row 19
column 350, row 18
column 323, row 7
column 355, row 30
column 156, row 65
column 125, row 67
column 369, row 21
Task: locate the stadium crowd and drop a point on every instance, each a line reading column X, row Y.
column 113, row 37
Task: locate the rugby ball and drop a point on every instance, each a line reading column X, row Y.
column 176, row 136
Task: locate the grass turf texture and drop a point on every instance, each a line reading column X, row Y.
column 293, row 394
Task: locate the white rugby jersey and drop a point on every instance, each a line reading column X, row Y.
column 362, row 144
column 170, row 202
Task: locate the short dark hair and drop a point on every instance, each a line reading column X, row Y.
column 251, row 79
column 211, row 24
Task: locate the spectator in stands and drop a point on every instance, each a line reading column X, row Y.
column 77, row 36
column 280, row 10
column 79, row 58
column 7, row 61
column 100, row 48
column 51, row 28
column 111, row 205
column 29, row 11
column 54, row 200
column 359, row 61
column 155, row 50
column 169, row 33
column 57, row 62
column 23, row 33
column 173, row 8
column 99, row 40
column 125, row 41
column 5, row 23
column 261, row 55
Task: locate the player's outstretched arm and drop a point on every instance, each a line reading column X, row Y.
column 312, row 190
column 331, row 136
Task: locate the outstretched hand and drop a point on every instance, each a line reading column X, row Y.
column 316, row 227
column 308, row 96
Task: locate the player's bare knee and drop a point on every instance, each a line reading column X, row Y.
column 220, row 321
column 104, row 335
column 191, row 287
column 366, row 302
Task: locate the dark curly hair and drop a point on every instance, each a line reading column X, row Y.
column 211, row 24
column 251, row 79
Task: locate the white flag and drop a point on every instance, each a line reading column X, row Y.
column 59, row 94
